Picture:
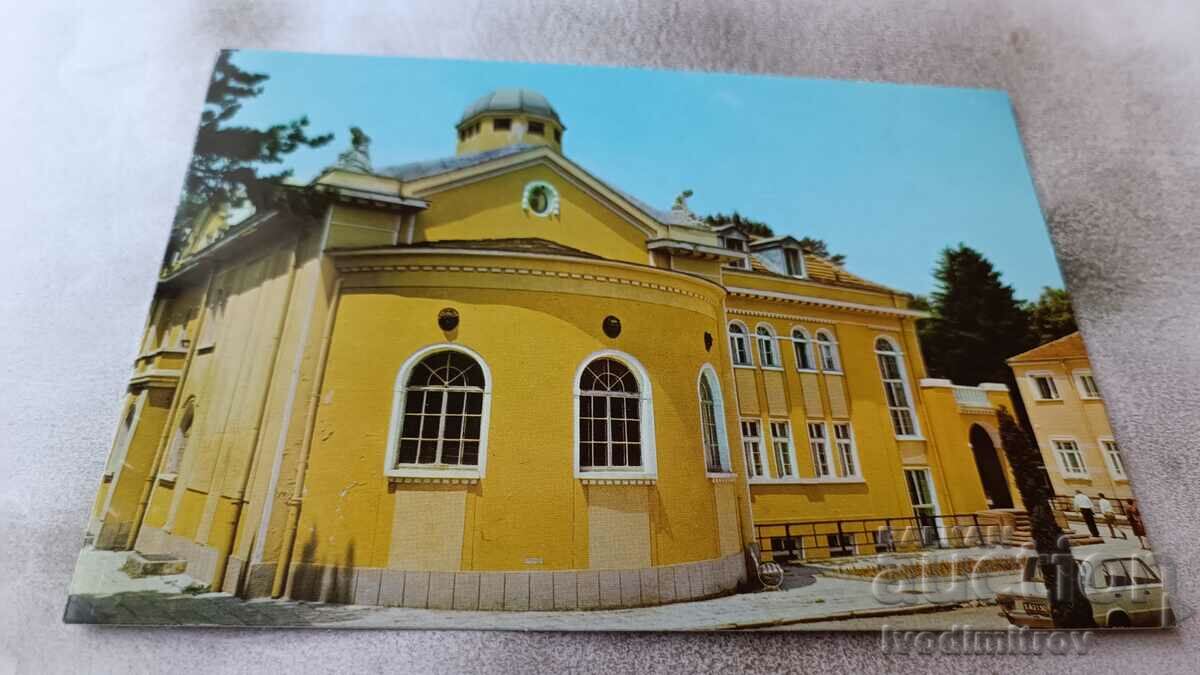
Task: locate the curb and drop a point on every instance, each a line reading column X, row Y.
column 856, row 614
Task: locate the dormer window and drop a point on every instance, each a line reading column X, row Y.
column 537, row 128
column 501, row 124
column 733, row 244
column 795, row 262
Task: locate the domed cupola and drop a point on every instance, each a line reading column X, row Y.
column 509, row 117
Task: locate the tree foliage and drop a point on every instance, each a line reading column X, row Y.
column 976, row 321
column 227, row 158
column 1069, row 606
column 1051, row 315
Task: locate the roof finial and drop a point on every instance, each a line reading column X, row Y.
column 358, row 156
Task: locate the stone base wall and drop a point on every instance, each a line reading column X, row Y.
column 518, row 591
column 201, row 559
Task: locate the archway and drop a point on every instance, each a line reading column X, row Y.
column 991, row 472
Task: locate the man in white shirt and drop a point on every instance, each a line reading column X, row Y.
column 1083, row 504
column 1110, row 516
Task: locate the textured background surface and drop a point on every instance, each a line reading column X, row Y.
column 100, row 104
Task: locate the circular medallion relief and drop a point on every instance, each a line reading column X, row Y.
column 540, row 199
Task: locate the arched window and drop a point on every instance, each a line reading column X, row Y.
column 827, row 348
column 895, row 388
column 610, row 417
column 767, row 356
column 116, row 456
column 739, row 345
column 442, row 401
column 803, row 347
column 180, row 439
column 712, row 423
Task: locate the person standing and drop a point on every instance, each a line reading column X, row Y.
column 1134, row 514
column 1109, row 516
column 1083, row 504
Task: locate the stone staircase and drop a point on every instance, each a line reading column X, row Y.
column 1018, row 531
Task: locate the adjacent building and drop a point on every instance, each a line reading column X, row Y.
column 495, row 381
column 1069, row 419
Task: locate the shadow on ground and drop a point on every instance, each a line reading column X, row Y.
column 151, row 608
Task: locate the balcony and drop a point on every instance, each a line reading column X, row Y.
column 972, row 398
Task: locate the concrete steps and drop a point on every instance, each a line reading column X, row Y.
column 139, row 565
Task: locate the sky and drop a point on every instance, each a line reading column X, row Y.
column 888, row 175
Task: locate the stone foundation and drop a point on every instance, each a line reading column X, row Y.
column 518, row 591
column 201, row 560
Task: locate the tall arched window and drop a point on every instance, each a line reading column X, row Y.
column 895, row 387
column 803, row 347
column 712, row 423
column 768, row 357
column 442, row 401
column 739, row 345
column 180, row 439
column 827, row 348
column 610, row 417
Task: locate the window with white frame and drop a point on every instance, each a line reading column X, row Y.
column 1069, row 457
column 768, row 357
column 610, row 417
column 752, row 444
column 1044, row 387
column 803, row 348
column 180, row 439
column 828, row 351
column 781, row 442
column 895, row 388
column 739, row 345
column 443, row 412
column 843, row 436
column 1112, row 454
column 818, row 442
column 1086, row 384
column 712, row 424
column 795, row 262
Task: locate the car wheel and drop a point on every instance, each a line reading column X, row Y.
column 1118, row 620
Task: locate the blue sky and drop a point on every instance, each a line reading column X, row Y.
column 886, row 174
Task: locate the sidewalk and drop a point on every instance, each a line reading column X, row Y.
column 101, row 593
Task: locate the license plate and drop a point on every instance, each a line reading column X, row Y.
column 1036, row 607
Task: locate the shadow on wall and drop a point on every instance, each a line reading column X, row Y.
column 324, row 583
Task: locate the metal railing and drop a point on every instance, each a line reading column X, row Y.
column 820, row 540
column 1067, row 503
column 972, row 397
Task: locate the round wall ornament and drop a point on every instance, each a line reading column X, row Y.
column 540, row 198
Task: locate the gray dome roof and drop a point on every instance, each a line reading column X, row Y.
column 510, row 101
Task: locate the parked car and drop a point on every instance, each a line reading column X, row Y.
column 1124, row 591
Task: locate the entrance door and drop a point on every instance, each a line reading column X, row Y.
column 920, row 493
column 991, row 472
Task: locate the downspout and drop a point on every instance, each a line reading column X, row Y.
column 293, row 512
column 226, row 550
column 160, row 451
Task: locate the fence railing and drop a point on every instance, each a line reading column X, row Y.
column 972, row 397
column 818, row 540
column 1067, row 503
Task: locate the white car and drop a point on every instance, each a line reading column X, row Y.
column 1124, row 591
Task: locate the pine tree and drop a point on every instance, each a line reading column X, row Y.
column 1051, row 316
column 226, row 160
column 1069, row 606
column 976, row 321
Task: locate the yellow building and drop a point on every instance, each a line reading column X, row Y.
column 1069, row 419
column 494, row 381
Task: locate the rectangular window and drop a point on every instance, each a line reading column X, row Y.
column 795, row 263
column 1087, row 385
column 1070, row 457
column 537, row 128
column 501, row 124
column 843, row 435
column 840, row 545
column 733, row 244
column 781, row 441
column 1116, row 465
column 818, row 442
column 752, row 443
column 1044, row 387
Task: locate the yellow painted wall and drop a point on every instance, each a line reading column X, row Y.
column 489, row 138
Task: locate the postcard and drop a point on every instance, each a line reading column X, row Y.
column 467, row 345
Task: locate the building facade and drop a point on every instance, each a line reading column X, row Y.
column 494, row 381
column 1069, row 419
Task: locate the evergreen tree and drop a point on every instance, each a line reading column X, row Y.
column 1051, row 316
column 976, row 321
column 1069, row 606
column 226, row 159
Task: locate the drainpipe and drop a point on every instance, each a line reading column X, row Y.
column 160, row 450
column 226, row 550
column 293, row 512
